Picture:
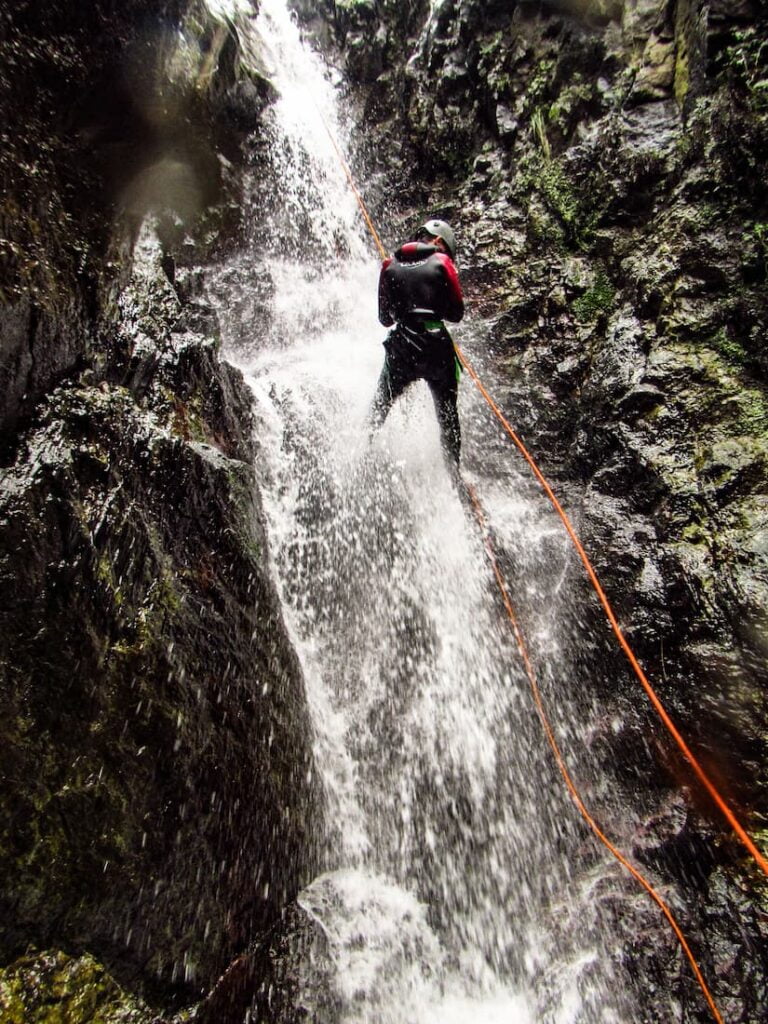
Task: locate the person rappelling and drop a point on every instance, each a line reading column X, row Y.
column 418, row 289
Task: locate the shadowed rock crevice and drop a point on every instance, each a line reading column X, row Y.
column 110, row 114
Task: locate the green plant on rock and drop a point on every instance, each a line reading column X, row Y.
column 746, row 60
column 760, row 236
column 563, row 198
column 541, row 172
column 559, row 192
column 561, row 111
column 596, row 300
column 540, row 133
column 729, row 348
column 493, row 66
column 539, row 81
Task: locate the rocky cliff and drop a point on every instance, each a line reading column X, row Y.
column 602, row 164
column 158, row 811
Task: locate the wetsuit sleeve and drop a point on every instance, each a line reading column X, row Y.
column 455, row 300
column 386, row 309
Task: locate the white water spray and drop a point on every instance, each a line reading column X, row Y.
column 449, row 894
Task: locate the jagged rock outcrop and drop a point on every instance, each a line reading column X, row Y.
column 72, row 989
column 602, row 165
column 159, row 810
column 150, row 700
column 108, row 113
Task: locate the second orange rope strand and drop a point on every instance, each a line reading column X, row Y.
column 571, row 786
column 652, row 695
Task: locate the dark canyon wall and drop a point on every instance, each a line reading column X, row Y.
column 154, row 744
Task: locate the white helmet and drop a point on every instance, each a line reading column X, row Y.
column 440, row 229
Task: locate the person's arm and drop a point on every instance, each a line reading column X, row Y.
column 385, row 299
column 455, row 299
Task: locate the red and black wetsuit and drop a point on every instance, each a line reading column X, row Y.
column 418, row 289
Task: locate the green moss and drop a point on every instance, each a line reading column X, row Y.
column 491, row 45
column 759, row 234
column 696, row 533
column 546, row 229
column 105, row 575
column 682, row 75
column 746, row 63
column 54, row 988
column 241, row 496
column 149, row 626
column 559, row 193
column 598, row 299
column 567, row 103
column 549, row 178
column 729, row 348
column 753, row 411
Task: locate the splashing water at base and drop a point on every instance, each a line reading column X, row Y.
column 449, row 847
column 390, row 963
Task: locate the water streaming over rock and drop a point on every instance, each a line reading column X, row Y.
column 460, row 885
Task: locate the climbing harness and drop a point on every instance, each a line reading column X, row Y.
column 699, row 771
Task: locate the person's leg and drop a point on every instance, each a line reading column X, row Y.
column 392, row 382
column 445, row 392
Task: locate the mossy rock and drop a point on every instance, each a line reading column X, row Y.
column 55, row 988
column 144, row 617
column 597, row 300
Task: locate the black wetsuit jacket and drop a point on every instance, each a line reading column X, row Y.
column 418, row 289
column 420, row 283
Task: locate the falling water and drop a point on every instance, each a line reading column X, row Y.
column 460, row 885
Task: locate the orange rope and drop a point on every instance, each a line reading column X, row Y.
column 653, row 696
column 522, row 647
column 351, row 180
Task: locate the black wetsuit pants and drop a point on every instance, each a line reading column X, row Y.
column 418, row 353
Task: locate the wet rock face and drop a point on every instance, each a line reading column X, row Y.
column 158, row 811
column 601, row 163
column 74, row 989
column 378, row 932
column 286, row 977
column 153, row 716
column 110, row 111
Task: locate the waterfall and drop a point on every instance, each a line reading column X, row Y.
column 460, row 885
